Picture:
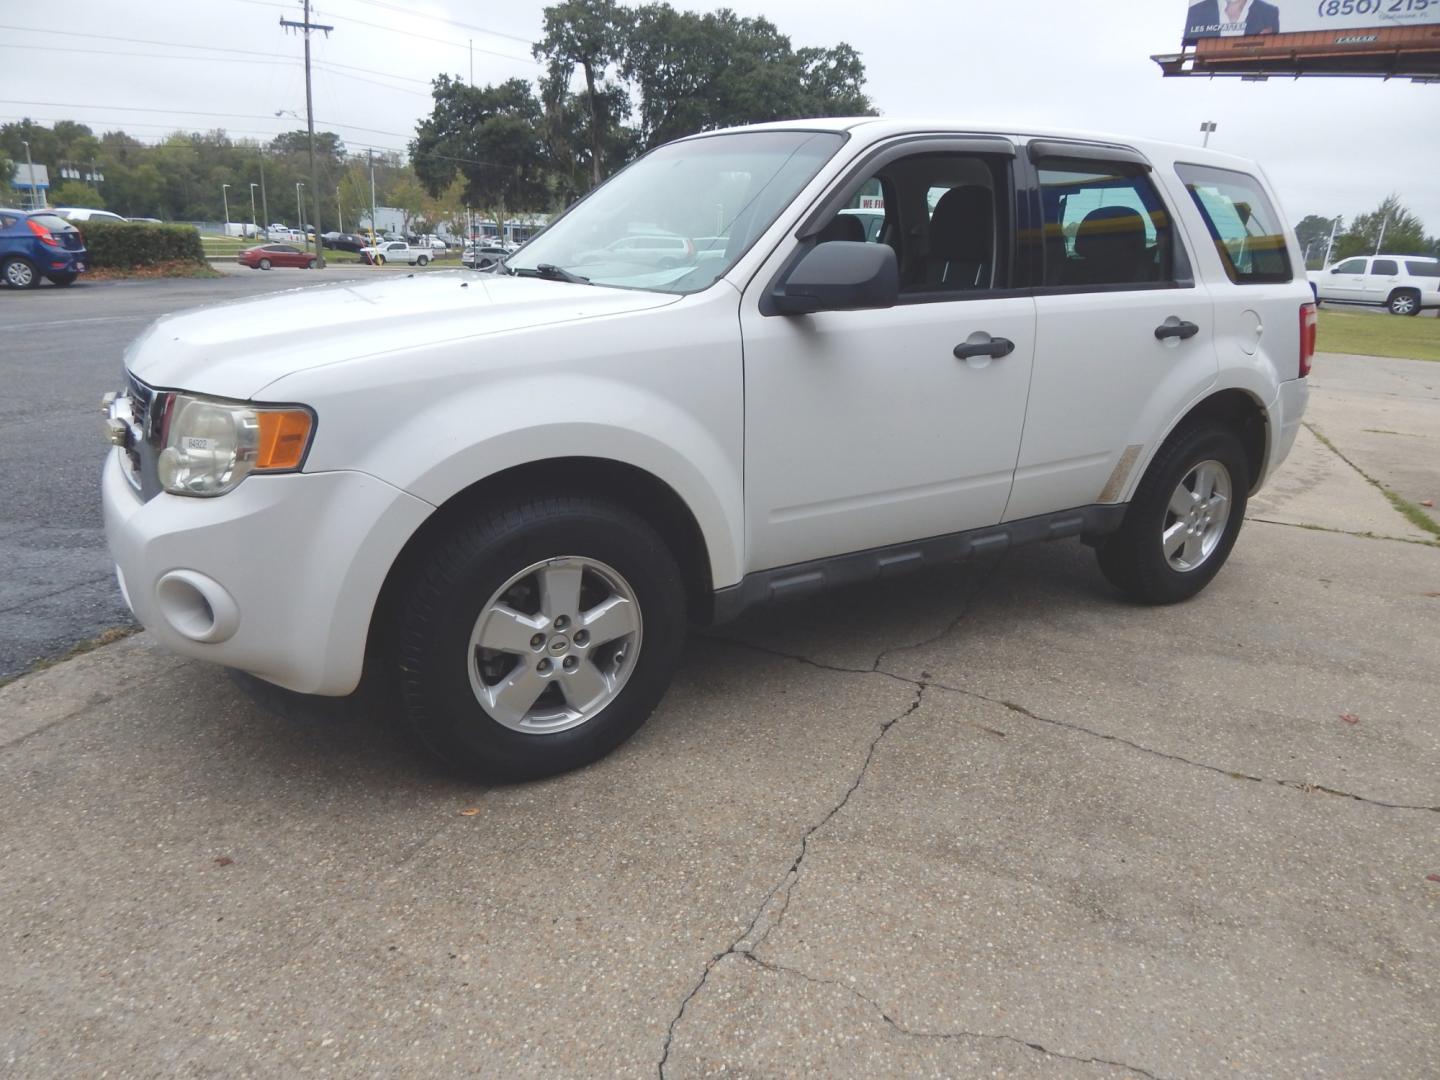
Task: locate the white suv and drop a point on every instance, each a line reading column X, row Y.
column 1404, row 284
column 509, row 491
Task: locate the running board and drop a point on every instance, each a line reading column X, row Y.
column 802, row 579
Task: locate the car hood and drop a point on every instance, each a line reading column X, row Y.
column 236, row 349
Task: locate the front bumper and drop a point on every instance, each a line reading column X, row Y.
column 278, row 578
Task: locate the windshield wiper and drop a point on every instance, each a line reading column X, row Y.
column 550, row 272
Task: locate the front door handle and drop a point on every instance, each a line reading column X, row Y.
column 1181, row 330
column 995, row 347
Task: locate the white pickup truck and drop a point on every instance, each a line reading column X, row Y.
column 508, row 492
column 397, row 251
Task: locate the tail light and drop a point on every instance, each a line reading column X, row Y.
column 1309, row 326
column 45, row 235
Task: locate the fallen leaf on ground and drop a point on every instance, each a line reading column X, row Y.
column 1432, row 877
column 1427, row 502
column 1349, row 718
column 470, row 811
column 224, row 860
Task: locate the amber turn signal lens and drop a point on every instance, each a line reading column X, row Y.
column 283, row 435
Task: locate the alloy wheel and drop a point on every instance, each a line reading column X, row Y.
column 20, row 274
column 1196, row 516
column 554, row 645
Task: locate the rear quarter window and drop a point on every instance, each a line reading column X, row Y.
column 1242, row 222
column 1423, row 269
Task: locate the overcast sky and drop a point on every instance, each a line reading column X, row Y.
column 1330, row 145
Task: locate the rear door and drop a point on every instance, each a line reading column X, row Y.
column 1123, row 332
column 1383, row 277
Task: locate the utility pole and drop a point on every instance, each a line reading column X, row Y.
column 306, row 27
column 339, row 213
column 1383, row 222
column 1331, row 245
column 370, row 157
column 253, row 220
column 225, row 198
column 472, row 61
column 264, row 202
column 34, row 192
column 300, row 210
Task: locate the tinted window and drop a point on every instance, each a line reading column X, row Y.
column 1384, row 267
column 53, row 223
column 1246, row 230
column 1350, row 266
column 1423, row 269
column 1104, row 225
column 944, row 215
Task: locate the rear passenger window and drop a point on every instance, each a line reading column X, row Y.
column 1104, row 225
column 1247, row 232
column 1384, row 268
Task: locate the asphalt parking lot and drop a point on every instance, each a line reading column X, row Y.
column 985, row 821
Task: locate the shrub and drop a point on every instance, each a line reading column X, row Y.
column 129, row 245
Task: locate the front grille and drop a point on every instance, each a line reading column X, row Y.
column 142, row 409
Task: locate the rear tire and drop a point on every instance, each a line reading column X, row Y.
column 1404, row 302
column 63, row 279
column 20, row 273
column 552, row 696
column 264, row 264
column 1181, row 525
column 423, row 260
column 310, row 265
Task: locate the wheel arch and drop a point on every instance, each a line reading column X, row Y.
column 1239, row 409
column 643, row 493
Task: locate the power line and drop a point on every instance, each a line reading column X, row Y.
column 437, row 18
column 267, row 56
column 436, row 40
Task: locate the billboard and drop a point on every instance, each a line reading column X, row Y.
column 1249, row 18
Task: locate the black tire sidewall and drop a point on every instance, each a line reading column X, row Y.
column 467, row 569
column 1155, row 580
column 1415, row 310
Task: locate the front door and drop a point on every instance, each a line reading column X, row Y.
column 1345, row 281
column 865, row 428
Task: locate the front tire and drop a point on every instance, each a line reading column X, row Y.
column 1181, row 525
column 310, row 265
column 423, row 260
column 264, row 264
column 1404, row 302
column 538, row 636
column 20, row 273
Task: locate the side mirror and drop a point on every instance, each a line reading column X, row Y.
column 841, row 275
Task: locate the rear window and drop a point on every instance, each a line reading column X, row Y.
column 1244, row 225
column 1385, row 267
column 1423, row 269
column 53, row 223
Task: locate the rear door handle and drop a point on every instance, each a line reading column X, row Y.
column 995, row 347
column 1180, row 330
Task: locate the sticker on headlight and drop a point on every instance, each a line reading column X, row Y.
column 194, row 442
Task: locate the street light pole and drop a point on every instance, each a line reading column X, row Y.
column 253, row 219
column 300, row 210
column 1208, row 127
column 225, row 198
column 34, row 193
column 1331, row 245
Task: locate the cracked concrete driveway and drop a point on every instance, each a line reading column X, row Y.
column 986, row 821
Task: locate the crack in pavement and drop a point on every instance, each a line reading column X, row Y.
column 912, row 1033
column 1297, row 785
column 787, row 882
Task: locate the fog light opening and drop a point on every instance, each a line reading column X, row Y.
column 197, row 607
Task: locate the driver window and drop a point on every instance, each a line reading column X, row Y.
column 941, row 214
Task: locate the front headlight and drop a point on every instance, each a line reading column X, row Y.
column 210, row 445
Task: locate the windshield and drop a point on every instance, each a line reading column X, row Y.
column 680, row 217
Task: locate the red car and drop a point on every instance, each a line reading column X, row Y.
column 267, row 255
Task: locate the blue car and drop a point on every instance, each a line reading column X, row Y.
column 36, row 244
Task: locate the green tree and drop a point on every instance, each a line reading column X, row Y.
column 76, row 193
column 1313, row 232
column 407, row 196
column 1389, row 226
column 488, row 136
column 583, row 33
